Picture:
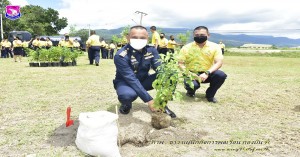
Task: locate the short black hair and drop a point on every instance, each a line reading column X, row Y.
column 201, row 27
column 138, row 27
column 93, row 32
column 163, row 34
column 153, row 28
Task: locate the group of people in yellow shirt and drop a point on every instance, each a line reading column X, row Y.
column 161, row 43
column 14, row 50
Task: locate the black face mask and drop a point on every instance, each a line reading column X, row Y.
column 161, row 37
column 200, row 39
column 172, row 39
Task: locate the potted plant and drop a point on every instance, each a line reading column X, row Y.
column 55, row 53
column 33, row 57
column 43, row 57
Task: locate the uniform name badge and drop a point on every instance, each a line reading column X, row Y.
column 148, row 55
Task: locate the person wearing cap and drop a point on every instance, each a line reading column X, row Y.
column 93, row 45
column 203, row 59
column 155, row 37
column 68, row 42
column 133, row 63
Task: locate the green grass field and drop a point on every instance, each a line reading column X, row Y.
column 260, row 100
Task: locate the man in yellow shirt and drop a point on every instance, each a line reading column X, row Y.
column 171, row 44
column 112, row 48
column 48, row 43
column 35, row 43
column 163, row 44
column 155, row 37
column 93, row 44
column 6, row 49
column 204, row 59
column 76, row 44
column 17, row 49
column 222, row 47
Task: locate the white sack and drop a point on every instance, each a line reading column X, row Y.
column 97, row 134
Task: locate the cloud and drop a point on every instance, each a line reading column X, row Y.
column 254, row 15
column 19, row 2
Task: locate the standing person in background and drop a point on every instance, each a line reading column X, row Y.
column 155, row 37
column 3, row 53
column 171, row 44
column 48, row 43
column 17, row 49
column 35, row 43
column 76, row 44
column 163, row 44
column 103, row 43
column 93, row 44
column 6, row 48
column 68, row 42
column 25, row 45
column 112, row 48
column 61, row 42
column 119, row 46
column 222, row 47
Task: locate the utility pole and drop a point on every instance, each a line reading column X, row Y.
column 1, row 20
column 142, row 14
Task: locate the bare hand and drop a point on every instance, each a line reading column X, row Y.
column 203, row 77
column 151, row 105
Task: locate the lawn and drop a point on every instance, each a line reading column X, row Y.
column 258, row 113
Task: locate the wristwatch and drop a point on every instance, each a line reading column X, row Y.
column 207, row 73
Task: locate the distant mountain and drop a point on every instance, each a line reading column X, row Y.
column 228, row 40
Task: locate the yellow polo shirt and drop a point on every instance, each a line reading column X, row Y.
column 76, row 44
column 171, row 44
column 94, row 40
column 163, row 43
column 155, row 36
column 68, row 43
column 35, row 42
column 198, row 59
column 222, row 45
column 6, row 44
column 17, row 43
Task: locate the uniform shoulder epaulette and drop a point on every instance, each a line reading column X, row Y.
column 123, row 53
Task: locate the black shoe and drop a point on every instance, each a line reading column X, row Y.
column 169, row 112
column 124, row 109
column 190, row 95
column 213, row 100
column 97, row 64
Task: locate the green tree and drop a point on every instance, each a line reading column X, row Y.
column 82, row 33
column 122, row 37
column 184, row 37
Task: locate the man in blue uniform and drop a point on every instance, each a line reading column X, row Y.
column 133, row 62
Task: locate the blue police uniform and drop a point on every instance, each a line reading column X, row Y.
column 132, row 73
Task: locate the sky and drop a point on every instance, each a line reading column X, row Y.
column 253, row 17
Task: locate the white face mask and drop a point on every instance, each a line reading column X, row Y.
column 138, row 44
